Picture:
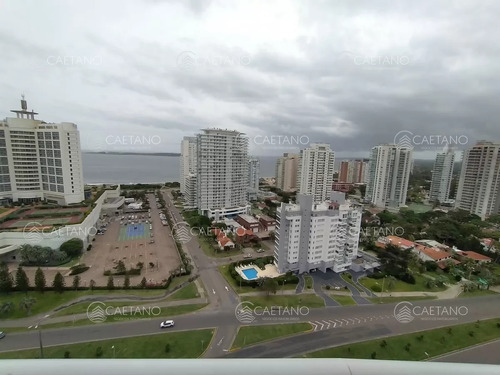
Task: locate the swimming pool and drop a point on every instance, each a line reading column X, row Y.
column 250, row 273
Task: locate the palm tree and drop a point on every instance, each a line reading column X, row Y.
column 27, row 303
column 6, row 308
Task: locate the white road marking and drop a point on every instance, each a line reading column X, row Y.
column 227, row 288
column 220, row 342
column 213, row 290
column 327, row 324
column 334, row 324
column 321, row 324
column 315, row 326
column 345, row 321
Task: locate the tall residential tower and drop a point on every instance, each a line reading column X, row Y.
column 315, row 176
column 286, row 172
column 442, row 174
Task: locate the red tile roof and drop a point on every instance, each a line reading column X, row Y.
column 398, row 241
column 475, row 256
column 442, row 264
column 433, row 252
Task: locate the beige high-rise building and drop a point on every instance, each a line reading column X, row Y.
column 315, row 175
column 286, row 172
column 479, row 186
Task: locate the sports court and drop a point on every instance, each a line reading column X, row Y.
column 137, row 231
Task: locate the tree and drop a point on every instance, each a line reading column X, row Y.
column 143, row 283
column 40, row 282
column 269, row 285
column 76, row 282
column 6, row 281
column 6, row 308
column 120, row 268
column 72, row 248
column 111, row 283
column 391, row 283
column 58, row 283
column 126, row 282
column 26, row 304
column 92, row 285
column 22, row 281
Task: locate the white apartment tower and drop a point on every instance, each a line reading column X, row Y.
column 286, row 172
column 253, row 178
column 187, row 160
column 222, row 173
column 315, row 173
column 479, row 185
column 317, row 235
column 39, row 160
column 389, row 173
column 442, row 173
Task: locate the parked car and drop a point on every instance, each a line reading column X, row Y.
column 167, row 324
column 247, row 256
column 2, row 335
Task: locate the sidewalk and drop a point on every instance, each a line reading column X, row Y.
column 24, row 322
column 452, row 292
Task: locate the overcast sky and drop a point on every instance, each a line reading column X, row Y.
column 349, row 73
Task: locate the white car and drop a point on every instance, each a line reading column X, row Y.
column 167, row 324
column 2, row 335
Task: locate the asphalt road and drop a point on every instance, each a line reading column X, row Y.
column 357, row 323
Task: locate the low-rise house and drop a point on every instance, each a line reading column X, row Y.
column 222, row 240
column 267, row 223
column 395, row 240
column 432, row 254
column 479, row 258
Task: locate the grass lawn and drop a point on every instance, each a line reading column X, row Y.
column 49, row 300
column 165, row 312
column 401, row 286
column 398, row 299
column 188, row 292
column 347, row 279
column 309, row 300
column 434, row 342
column 2, row 210
column 344, row 300
column 250, row 335
column 189, row 344
column 207, row 246
column 477, row 293
column 308, row 282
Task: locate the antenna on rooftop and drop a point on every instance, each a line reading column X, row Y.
column 24, row 104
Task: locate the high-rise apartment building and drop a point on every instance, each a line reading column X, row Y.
column 40, row 160
column 187, row 160
column 353, row 171
column 479, row 185
column 389, row 174
column 253, row 178
column 286, row 172
column 442, row 173
column 222, row 173
column 319, row 236
column 315, row 173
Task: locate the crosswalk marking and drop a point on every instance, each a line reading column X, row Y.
column 321, row 325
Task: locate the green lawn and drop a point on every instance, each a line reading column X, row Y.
column 419, row 207
column 165, row 312
column 2, row 210
column 344, row 300
column 308, row 282
column 434, row 342
column 189, row 344
column 188, row 292
column 48, row 301
column 401, row 286
column 347, row 279
column 477, row 293
column 250, row 335
column 309, row 300
column 398, row 299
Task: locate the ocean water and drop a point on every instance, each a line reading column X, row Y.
column 125, row 169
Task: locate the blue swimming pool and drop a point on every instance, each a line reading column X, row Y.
column 251, row 273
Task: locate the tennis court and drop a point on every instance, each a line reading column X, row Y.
column 134, row 232
column 37, row 222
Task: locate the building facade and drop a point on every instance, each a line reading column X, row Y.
column 222, row 173
column 187, row 160
column 315, row 173
column 253, row 178
column 321, row 236
column 39, row 160
column 353, row 171
column 389, row 174
column 286, row 172
column 442, row 174
column 479, row 185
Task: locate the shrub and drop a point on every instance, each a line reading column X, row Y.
column 471, row 333
column 376, row 288
column 167, row 348
column 66, row 354
column 374, row 355
column 498, row 325
column 89, row 247
column 328, row 287
column 407, row 347
column 72, row 248
column 420, row 338
column 98, row 352
column 79, row 268
column 107, row 273
column 383, row 344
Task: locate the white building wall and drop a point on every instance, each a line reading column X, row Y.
column 315, row 173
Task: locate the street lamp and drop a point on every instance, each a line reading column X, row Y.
column 113, row 347
column 38, row 326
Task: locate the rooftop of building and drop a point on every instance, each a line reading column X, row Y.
column 433, row 252
column 248, row 218
column 473, row 255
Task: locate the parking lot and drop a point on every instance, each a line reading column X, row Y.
column 133, row 239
